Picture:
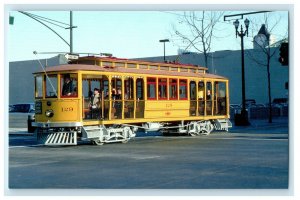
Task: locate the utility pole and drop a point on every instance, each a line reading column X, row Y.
column 44, row 20
column 71, row 32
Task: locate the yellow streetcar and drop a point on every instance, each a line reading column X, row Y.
column 107, row 99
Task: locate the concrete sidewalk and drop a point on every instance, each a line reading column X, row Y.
column 263, row 124
column 19, row 131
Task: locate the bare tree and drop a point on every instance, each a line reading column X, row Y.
column 265, row 52
column 201, row 30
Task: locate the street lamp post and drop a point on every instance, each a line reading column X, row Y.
column 164, row 41
column 244, row 115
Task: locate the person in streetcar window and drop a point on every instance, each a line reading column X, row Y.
column 68, row 87
column 95, row 104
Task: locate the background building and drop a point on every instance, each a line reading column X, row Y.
column 21, row 81
column 228, row 64
column 225, row 63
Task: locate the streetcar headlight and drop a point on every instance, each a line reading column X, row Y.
column 49, row 113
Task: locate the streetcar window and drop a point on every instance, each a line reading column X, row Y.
column 208, row 98
column 222, row 89
column 116, row 95
column 107, row 64
column 68, row 85
column 90, row 82
column 131, row 65
column 193, row 88
column 140, row 104
column 183, row 89
column 141, row 66
column 153, row 67
column 139, row 89
column 208, row 91
column 119, row 64
column 105, row 87
column 128, row 96
column 51, row 86
column 162, row 88
column 116, row 90
column 173, row 89
column 151, row 88
column 193, row 97
column 200, row 96
column 38, row 86
column 201, row 90
column 128, row 82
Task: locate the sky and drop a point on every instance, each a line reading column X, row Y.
column 125, row 34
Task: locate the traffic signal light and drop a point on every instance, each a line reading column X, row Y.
column 11, row 20
column 284, row 54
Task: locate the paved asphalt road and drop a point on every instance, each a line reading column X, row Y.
column 218, row 161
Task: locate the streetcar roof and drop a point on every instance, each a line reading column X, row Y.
column 124, row 60
column 84, row 67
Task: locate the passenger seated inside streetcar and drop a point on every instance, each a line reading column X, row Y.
column 208, row 95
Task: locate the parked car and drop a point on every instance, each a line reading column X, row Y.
column 235, row 106
column 280, row 101
column 11, row 108
column 258, row 105
column 22, row 107
column 249, row 103
column 30, row 119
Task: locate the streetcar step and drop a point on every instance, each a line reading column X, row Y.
column 58, row 138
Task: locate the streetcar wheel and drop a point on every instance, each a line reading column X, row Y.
column 204, row 132
column 98, row 142
column 124, row 141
